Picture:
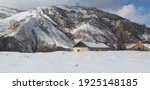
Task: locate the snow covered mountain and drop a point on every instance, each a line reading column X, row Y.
column 7, row 12
column 93, row 25
column 32, row 31
column 58, row 27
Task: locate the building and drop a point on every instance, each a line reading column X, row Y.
column 90, row 46
column 139, row 47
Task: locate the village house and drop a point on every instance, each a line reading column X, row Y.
column 90, row 46
column 139, row 46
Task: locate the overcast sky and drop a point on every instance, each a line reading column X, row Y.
column 135, row 10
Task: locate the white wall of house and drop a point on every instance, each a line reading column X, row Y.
column 80, row 49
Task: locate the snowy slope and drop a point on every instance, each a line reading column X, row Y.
column 89, row 33
column 72, row 62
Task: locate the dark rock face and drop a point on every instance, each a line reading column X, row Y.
column 58, row 27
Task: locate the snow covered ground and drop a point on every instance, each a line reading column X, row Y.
column 73, row 62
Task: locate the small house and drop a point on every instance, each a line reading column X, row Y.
column 139, row 47
column 90, row 46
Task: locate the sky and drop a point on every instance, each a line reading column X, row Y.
column 135, row 10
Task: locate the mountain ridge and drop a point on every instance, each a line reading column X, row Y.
column 7, row 12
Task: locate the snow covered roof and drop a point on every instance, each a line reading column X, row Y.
column 95, row 45
column 130, row 45
column 147, row 45
column 133, row 44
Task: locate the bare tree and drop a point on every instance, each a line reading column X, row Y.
column 123, row 36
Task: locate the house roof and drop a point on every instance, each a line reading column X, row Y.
column 95, row 45
column 147, row 45
column 131, row 45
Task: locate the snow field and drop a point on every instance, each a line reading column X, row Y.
column 74, row 62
